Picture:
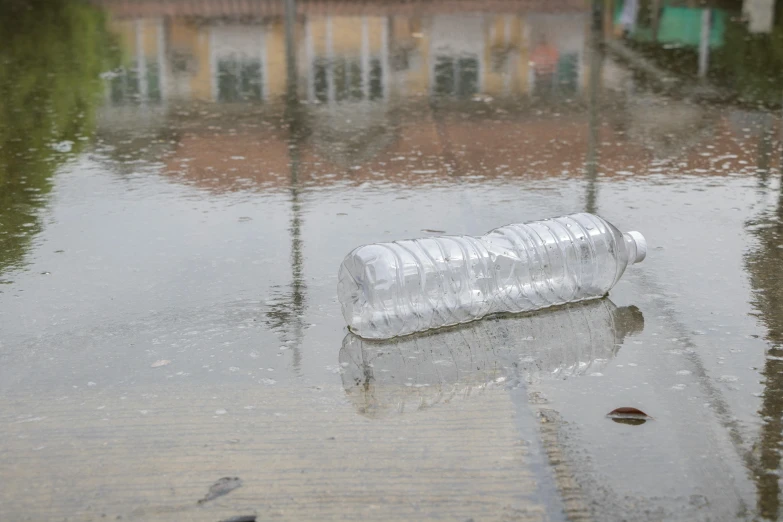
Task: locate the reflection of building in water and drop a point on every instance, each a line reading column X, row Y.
column 371, row 76
column 144, row 63
column 557, row 53
column 760, row 15
column 238, row 63
column 225, row 62
column 457, row 52
column 673, row 23
column 346, row 58
column 416, row 372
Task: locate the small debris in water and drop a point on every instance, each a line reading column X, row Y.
column 538, row 398
column 628, row 415
column 158, row 364
column 222, row 487
column 433, row 231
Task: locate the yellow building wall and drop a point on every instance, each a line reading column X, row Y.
column 346, row 34
column 521, row 83
column 150, row 37
column 411, row 33
column 274, row 41
column 192, row 41
column 375, row 28
column 494, row 41
column 506, row 33
column 201, row 82
column 125, row 31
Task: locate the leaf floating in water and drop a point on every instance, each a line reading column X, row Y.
column 630, row 416
column 222, row 487
column 158, row 364
column 627, row 411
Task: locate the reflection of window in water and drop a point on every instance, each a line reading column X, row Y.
column 568, row 73
column 401, row 59
column 562, row 78
column 183, row 62
column 153, row 81
column 347, row 79
column 500, row 58
column 126, row 87
column 376, row 79
column 239, row 79
column 456, row 76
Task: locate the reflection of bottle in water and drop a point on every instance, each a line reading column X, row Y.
column 391, row 289
column 418, row 371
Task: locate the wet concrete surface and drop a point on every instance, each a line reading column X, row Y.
column 179, row 182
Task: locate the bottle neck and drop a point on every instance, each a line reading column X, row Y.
column 636, row 246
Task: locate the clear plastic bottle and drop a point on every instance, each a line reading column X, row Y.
column 392, row 289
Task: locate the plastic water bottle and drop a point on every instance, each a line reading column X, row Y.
column 419, row 371
column 397, row 288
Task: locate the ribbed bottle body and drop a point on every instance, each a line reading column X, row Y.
column 397, row 288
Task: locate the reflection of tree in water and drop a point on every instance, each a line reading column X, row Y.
column 285, row 314
column 751, row 64
column 51, row 55
column 287, row 307
column 764, row 266
column 594, row 121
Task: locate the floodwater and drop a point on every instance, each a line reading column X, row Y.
column 179, row 182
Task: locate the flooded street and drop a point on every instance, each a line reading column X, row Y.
column 180, row 181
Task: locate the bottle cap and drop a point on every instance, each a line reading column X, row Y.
column 641, row 246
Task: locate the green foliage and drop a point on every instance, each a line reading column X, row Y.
column 51, row 55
